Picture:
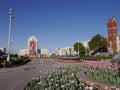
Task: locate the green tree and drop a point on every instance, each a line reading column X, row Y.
column 98, row 43
column 78, row 47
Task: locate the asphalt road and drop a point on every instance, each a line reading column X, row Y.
column 17, row 77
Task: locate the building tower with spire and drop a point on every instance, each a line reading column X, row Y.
column 112, row 35
column 32, row 46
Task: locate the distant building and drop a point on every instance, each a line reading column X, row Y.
column 3, row 50
column 44, row 53
column 23, row 52
column 38, row 52
column 112, row 35
column 85, row 43
column 32, row 50
column 65, row 51
column 32, row 46
column 118, row 43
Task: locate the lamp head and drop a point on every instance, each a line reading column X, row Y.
column 10, row 13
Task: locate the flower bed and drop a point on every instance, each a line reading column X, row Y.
column 103, row 72
column 62, row 79
column 106, row 76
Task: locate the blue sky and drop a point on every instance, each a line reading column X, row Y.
column 56, row 23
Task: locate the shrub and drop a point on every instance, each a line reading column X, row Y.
column 14, row 55
column 16, row 62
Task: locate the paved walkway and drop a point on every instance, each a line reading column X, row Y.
column 17, row 77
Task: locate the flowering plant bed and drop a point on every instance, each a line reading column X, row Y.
column 103, row 72
column 106, row 76
column 62, row 79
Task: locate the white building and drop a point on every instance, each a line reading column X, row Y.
column 65, row 51
column 23, row 52
column 3, row 50
column 32, row 50
column 44, row 53
column 32, row 46
column 118, row 43
column 85, row 43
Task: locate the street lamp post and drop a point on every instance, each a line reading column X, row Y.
column 78, row 49
column 9, row 35
column 86, row 51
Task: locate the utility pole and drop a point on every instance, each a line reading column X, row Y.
column 9, row 35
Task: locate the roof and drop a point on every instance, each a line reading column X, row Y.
column 112, row 21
